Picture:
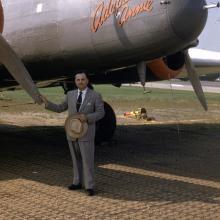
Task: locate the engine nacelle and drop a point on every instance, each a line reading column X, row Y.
column 168, row 67
column 158, row 69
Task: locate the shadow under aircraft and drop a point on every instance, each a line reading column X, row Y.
column 164, row 169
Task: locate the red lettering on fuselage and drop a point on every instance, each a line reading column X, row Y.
column 119, row 8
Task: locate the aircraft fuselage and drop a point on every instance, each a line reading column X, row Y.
column 64, row 35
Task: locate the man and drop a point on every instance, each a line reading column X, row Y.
column 88, row 106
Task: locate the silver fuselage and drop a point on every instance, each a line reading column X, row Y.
column 58, row 34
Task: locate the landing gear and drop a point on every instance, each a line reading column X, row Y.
column 105, row 127
column 67, row 86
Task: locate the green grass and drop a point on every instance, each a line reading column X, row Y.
column 20, row 96
column 163, row 104
column 133, row 93
column 124, row 97
column 157, row 97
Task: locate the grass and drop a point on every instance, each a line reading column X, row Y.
column 111, row 93
column 123, row 99
column 133, row 93
column 160, row 98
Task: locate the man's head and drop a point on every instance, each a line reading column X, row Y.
column 81, row 81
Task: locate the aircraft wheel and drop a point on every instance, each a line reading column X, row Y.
column 105, row 127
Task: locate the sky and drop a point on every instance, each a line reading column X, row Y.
column 210, row 37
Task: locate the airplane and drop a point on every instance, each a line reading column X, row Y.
column 116, row 41
column 206, row 63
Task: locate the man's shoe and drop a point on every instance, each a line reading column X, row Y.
column 75, row 187
column 90, row 192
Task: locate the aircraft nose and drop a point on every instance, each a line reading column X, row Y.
column 187, row 17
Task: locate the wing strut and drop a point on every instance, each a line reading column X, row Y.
column 142, row 70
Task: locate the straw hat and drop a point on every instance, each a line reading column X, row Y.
column 75, row 128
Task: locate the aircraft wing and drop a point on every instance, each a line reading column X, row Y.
column 205, row 61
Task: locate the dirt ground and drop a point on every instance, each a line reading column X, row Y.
column 166, row 169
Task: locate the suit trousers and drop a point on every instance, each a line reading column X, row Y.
column 82, row 154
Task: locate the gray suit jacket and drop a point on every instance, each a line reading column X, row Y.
column 92, row 107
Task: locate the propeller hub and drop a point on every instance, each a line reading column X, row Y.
column 187, row 18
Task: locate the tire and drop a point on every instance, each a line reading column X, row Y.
column 105, row 128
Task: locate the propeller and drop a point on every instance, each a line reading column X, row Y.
column 194, row 79
column 16, row 68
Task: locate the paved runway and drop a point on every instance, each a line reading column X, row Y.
column 151, row 173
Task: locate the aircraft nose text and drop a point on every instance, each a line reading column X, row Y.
column 187, row 17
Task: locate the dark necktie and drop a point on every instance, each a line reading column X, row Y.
column 79, row 101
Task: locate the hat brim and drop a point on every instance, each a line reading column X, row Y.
column 71, row 134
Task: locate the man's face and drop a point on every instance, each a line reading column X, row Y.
column 81, row 81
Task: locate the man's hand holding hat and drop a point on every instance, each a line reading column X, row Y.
column 81, row 117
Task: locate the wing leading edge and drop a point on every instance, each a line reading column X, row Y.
column 205, row 61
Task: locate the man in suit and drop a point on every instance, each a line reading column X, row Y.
column 89, row 107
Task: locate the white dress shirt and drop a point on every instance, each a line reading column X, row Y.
column 83, row 94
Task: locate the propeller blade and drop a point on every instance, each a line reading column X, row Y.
column 17, row 69
column 194, row 79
